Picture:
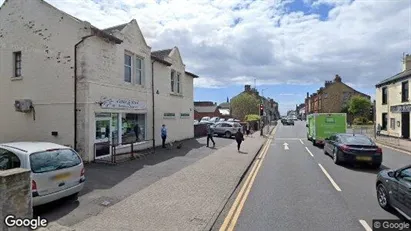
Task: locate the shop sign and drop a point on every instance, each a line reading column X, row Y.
column 184, row 115
column 169, row 116
column 401, row 108
column 122, row 104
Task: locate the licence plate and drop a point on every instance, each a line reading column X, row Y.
column 62, row 176
column 364, row 158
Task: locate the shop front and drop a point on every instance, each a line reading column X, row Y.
column 118, row 124
column 402, row 114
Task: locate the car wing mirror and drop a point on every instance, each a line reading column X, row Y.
column 391, row 174
column 306, row 125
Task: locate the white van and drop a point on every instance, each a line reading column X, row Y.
column 56, row 171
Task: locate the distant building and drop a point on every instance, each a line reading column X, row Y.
column 392, row 102
column 205, row 109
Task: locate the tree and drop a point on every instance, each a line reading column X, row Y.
column 245, row 104
column 359, row 106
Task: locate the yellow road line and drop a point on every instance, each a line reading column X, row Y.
column 232, row 216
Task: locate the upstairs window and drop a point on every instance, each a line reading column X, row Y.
column 17, row 64
column 139, row 71
column 172, row 80
column 384, row 95
column 127, row 68
column 178, row 83
column 404, row 92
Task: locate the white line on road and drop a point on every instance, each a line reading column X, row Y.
column 308, row 150
column 286, row 146
column 366, row 226
column 329, row 178
column 301, row 141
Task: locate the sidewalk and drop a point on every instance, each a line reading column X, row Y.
column 401, row 144
column 190, row 199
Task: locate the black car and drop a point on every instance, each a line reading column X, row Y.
column 289, row 122
column 351, row 148
column 394, row 190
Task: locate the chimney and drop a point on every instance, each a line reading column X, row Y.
column 337, row 79
column 308, row 95
column 327, row 83
column 406, row 62
column 247, row 88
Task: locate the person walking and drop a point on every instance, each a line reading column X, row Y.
column 164, row 135
column 210, row 134
column 137, row 132
column 239, row 137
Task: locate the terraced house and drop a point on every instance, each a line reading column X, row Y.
column 66, row 81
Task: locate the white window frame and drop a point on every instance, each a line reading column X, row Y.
column 172, row 81
column 127, row 66
column 136, row 69
column 178, row 83
column 120, row 128
column 17, row 60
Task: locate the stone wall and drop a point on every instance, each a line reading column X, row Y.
column 15, row 194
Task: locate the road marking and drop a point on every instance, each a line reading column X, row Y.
column 308, row 150
column 301, row 141
column 395, row 149
column 366, row 226
column 231, row 219
column 329, row 178
column 286, row 146
column 283, row 139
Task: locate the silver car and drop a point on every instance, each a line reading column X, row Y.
column 56, row 171
column 226, row 129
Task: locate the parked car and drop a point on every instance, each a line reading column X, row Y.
column 215, row 119
column 394, row 190
column 196, row 122
column 289, row 122
column 353, row 148
column 226, row 129
column 205, row 119
column 56, row 171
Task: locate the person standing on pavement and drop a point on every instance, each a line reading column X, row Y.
column 239, row 137
column 164, row 135
column 210, row 134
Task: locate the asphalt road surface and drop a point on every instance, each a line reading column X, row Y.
column 300, row 188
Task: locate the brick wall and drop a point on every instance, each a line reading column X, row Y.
column 199, row 115
column 15, row 194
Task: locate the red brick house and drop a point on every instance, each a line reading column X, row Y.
column 205, row 109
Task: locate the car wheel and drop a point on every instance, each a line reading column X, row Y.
column 228, row 134
column 74, row 197
column 376, row 165
column 325, row 151
column 335, row 157
column 314, row 142
column 382, row 197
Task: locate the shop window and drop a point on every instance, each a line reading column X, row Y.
column 115, row 131
column 133, row 127
column 392, row 123
column 384, row 121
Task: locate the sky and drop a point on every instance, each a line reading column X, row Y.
column 285, row 47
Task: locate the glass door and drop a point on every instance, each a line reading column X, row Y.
column 102, row 137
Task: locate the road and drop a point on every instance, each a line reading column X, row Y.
column 298, row 187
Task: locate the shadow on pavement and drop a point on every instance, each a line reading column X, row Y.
column 101, row 176
column 241, row 152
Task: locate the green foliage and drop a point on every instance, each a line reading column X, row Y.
column 370, row 122
column 360, row 121
column 245, row 104
column 359, row 106
column 252, row 117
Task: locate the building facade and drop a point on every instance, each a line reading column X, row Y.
column 206, row 109
column 392, row 103
column 71, row 83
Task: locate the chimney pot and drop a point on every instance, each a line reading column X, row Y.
column 337, row 78
column 247, row 88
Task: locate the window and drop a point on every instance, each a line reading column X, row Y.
column 172, row 80
column 406, row 174
column 356, row 140
column 133, row 127
column 384, row 121
column 384, row 95
column 404, row 92
column 392, row 123
column 139, row 71
column 8, row 160
column 178, row 85
column 17, row 63
column 127, row 68
column 48, row 161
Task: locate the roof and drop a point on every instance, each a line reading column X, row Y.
column 396, row 78
column 224, row 105
column 224, row 111
column 106, row 35
column 191, row 74
column 32, row 147
column 111, row 30
column 155, row 58
column 161, row 54
column 205, row 109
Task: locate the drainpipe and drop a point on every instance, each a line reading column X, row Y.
column 75, row 88
column 152, row 97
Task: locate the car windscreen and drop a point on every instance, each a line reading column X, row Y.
column 356, row 140
column 52, row 160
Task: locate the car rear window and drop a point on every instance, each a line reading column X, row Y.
column 357, row 140
column 48, row 161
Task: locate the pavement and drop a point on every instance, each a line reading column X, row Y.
column 166, row 191
column 300, row 188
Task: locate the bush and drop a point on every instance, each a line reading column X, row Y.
column 370, row 122
column 360, row 121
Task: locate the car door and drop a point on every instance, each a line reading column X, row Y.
column 402, row 191
column 217, row 128
column 329, row 144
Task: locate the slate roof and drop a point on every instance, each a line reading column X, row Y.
column 396, row 78
column 110, row 30
column 205, row 109
column 161, row 54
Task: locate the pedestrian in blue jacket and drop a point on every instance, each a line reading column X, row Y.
column 164, row 135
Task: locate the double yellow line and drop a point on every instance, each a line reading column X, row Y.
column 231, row 220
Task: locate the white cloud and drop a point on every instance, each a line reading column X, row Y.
column 362, row 40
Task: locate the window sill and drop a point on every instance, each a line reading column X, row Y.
column 16, row 78
column 405, row 101
column 176, row 94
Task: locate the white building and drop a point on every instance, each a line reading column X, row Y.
column 65, row 81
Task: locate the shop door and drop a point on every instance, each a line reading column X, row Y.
column 405, row 125
column 102, row 138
